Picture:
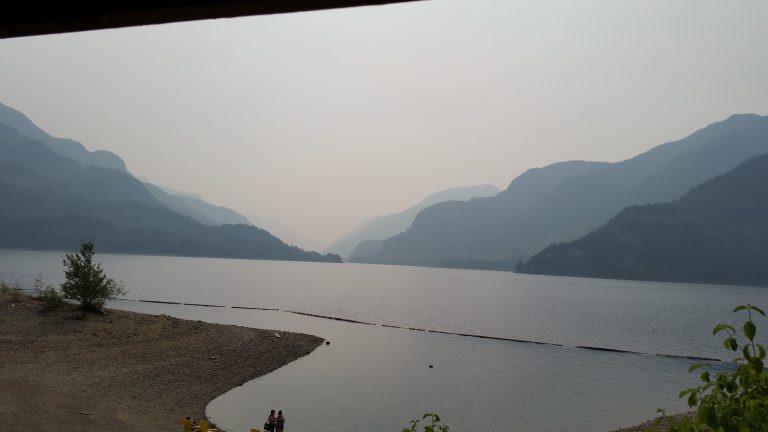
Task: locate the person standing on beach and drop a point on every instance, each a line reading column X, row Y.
column 280, row 422
column 270, row 424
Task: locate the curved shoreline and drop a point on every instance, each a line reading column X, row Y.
column 125, row 370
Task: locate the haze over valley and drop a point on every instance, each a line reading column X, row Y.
column 519, row 215
column 327, row 119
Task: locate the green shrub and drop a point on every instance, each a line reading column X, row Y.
column 86, row 282
column 50, row 295
column 5, row 287
column 433, row 426
column 735, row 401
column 13, row 291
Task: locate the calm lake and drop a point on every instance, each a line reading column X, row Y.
column 373, row 377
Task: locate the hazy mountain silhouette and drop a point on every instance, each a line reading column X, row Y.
column 65, row 147
column 54, row 202
column 383, row 227
column 171, row 191
column 564, row 201
column 716, row 233
column 195, row 207
column 286, row 233
column 364, row 249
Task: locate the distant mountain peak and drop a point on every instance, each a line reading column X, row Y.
column 564, row 201
column 715, row 233
column 382, row 227
column 66, row 147
column 54, row 200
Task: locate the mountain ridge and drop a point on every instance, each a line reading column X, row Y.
column 715, row 233
column 65, row 147
column 55, row 202
column 381, row 227
column 570, row 204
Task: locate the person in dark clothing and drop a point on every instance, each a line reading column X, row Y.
column 280, row 422
column 271, row 421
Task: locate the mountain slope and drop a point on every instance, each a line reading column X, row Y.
column 196, row 208
column 716, row 233
column 452, row 232
column 364, row 249
column 65, row 147
column 576, row 198
column 384, row 227
column 53, row 202
column 286, row 233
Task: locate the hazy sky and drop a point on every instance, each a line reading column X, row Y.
column 324, row 119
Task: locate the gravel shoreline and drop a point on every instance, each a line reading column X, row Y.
column 124, row 371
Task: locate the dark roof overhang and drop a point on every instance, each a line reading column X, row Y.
column 36, row 17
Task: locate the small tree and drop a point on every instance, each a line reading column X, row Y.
column 86, row 282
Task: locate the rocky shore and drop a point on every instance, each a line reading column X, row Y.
column 124, row 371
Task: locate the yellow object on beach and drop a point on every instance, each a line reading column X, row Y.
column 203, row 425
column 187, row 423
column 255, row 430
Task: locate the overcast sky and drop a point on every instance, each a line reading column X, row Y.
column 324, row 119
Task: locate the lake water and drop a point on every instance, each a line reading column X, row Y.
column 377, row 378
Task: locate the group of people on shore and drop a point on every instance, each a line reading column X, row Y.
column 275, row 424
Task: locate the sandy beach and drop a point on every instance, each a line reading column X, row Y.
column 124, row 371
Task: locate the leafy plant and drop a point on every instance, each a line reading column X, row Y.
column 14, row 292
column 50, row 295
column 433, row 426
column 86, row 281
column 736, row 401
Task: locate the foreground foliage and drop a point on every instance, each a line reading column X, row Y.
column 86, row 281
column 48, row 294
column 736, row 401
column 12, row 291
column 433, row 426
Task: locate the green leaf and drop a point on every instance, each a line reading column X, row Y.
column 749, row 330
column 761, row 352
column 730, row 343
column 756, row 416
column 739, row 308
column 695, row 366
column 757, row 309
column 692, row 400
column 705, row 376
column 720, row 327
column 745, row 352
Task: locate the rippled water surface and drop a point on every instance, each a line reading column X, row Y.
column 376, row 378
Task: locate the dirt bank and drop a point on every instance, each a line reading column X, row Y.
column 124, row 371
column 657, row 425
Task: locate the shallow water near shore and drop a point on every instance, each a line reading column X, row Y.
column 378, row 378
